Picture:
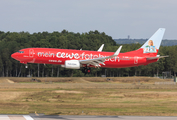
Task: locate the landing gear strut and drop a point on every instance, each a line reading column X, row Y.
column 86, row 70
column 26, row 66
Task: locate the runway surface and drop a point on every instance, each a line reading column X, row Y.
column 80, row 117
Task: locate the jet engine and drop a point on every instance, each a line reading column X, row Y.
column 72, row 64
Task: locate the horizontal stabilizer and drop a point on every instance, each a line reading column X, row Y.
column 157, row 57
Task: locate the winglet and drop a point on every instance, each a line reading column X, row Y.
column 101, row 48
column 118, row 51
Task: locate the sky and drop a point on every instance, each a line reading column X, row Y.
column 117, row 18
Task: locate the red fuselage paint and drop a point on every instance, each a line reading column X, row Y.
column 59, row 56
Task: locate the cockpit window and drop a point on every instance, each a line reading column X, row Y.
column 20, row 51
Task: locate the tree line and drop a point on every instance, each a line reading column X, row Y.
column 11, row 42
column 141, row 41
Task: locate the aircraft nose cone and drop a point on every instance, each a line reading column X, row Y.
column 14, row 55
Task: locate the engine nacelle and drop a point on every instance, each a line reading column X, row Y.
column 72, row 64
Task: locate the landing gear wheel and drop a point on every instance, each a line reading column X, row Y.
column 86, row 70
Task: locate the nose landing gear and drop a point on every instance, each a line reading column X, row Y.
column 26, row 66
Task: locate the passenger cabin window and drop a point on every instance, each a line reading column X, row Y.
column 20, row 51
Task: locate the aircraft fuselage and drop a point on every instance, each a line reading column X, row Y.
column 59, row 56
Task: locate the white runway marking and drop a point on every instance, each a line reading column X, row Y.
column 15, row 117
column 27, row 117
column 4, row 117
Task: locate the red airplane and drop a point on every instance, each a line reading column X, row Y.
column 75, row 59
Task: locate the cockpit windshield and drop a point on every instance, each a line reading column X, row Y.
column 20, row 51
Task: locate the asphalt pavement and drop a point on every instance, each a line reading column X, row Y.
column 80, row 117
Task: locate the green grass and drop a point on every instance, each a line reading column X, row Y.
column 98, row 98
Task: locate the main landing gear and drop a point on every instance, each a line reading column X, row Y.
column 86, row 70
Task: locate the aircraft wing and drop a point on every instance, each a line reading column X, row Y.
column 157, row 57
column 95, row 62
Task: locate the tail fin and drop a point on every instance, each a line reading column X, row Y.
column 154, row 42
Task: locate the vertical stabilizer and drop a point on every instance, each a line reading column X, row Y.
column 154, row 41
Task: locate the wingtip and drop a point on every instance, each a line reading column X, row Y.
column 101, row 48
column 118, row 51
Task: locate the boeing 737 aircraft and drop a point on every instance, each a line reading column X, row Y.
column 75, row 59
